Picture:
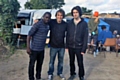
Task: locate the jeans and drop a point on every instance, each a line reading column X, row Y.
column 94, row 37
column 72, row 53
column 53, row 53
column 39, row 57
column 95, row 41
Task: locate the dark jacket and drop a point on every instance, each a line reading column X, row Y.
column 38, row 33
column 57, row 33
column 77, row 35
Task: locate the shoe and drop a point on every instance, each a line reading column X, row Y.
column 50, row 77
column 81, row 78
column 61, row 76
column 71, row 77
column 94, row 54
column 97, row 52
column 38, row 79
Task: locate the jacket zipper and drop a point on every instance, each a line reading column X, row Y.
column 75, row 35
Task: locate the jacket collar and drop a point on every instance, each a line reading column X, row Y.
column 79, row 22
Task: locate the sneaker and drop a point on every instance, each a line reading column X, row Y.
column 39, row 79
column 94, row 54
column 81, row 78
column 50, row 77
column 97, row 52
column 71, row 77
column 62, row 77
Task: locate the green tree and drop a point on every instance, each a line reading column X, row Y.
column 115, row 13
column 8, row 15
column 86, row 11
column 55, row 4
column 28, row 5
column 44, row 4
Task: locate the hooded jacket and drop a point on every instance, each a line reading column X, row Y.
column 103, row 35
column 77, row 35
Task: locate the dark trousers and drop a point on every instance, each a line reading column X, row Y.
column 39, row 57
column 72, row 53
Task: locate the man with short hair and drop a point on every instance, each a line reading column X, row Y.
column 115, row 33
column 76, row 39
column 37, row 37
column 57, row 44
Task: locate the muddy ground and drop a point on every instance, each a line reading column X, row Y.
column 96, row 68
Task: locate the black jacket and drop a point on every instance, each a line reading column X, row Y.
column 57, row 34
column 77, row 35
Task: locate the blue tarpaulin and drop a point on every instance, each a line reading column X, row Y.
column 100, row 24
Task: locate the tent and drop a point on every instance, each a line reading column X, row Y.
column 100, row 24
column 114, row 24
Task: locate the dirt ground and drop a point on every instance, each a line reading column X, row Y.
column 96, row 68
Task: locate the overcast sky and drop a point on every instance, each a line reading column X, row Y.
column 103, row 6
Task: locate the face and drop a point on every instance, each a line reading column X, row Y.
column 76, row 14
column 46, row 18
column 59, row 17
column 115, row 32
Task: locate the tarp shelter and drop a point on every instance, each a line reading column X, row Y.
column 100, row 24
column 114, row 24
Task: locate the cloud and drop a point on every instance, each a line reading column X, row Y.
column 22, row 2
column 75, row 1
column 110, row 6
column 95, row 2
column 96, row 5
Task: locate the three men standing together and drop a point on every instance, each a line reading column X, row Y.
column 76, row 32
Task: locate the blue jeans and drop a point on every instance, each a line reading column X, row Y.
column 53, row 53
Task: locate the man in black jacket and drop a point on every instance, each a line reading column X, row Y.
column 57, row 45
column 77, row 35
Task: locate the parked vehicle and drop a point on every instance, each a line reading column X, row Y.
column 25, row 20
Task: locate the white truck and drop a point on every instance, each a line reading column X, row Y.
column 25, row 20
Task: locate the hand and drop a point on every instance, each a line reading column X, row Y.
column 28, row 51
column 82, row 53
column 66, row 50
column 96, row 19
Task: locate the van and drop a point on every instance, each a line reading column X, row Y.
column 25, row 20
